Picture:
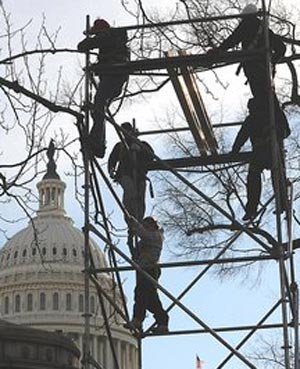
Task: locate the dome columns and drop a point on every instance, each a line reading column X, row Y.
column 51, row 195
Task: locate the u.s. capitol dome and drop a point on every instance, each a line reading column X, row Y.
column 42, row 283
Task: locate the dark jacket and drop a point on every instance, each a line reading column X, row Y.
column 112, row 45
column 128, row 162
column 250, row 33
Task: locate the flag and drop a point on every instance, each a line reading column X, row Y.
column 198, row 362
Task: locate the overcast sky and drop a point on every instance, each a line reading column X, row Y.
column 218, row 304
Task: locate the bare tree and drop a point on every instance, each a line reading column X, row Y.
column 31, row 102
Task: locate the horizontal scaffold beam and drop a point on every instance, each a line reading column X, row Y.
column 216, row 329
column 193, row 263
column 196, row 161
column 197, row 60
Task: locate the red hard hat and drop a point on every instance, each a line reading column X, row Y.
column 99, row 25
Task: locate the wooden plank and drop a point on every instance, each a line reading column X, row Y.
column 187, row 108
column 200, row 109
column 193, row 106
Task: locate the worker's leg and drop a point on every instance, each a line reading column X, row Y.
column 281, row 176
column 134, row 196
column 116, row 83
column 97, row 135
column 253, row 191
column 129, row 194
column 141, row 194
column 140, row 298
column 153, row 303
column 109, row 88
column 129, row 202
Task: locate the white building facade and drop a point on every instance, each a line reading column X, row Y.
column 42, row 283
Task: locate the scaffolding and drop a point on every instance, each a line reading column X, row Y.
column 181, row 66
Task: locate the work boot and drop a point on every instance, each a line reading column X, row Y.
column 134, row 324
column 160, row 328
column 249, row 215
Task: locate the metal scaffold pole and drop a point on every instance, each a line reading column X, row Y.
column 293, row 283
column 279, row 186
column 84, row 133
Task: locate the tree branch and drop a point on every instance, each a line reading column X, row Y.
column 16, row 87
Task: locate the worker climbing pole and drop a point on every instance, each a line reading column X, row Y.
column 112, row 48
column 93, row 144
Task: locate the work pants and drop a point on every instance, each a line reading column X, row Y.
column 262, row 159
column 257, row 77
column 146, row 298
column 110, row 87
column 253, row 189
column 134, row 196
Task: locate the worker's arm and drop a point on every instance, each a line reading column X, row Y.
column 232, row 40
column 278, row 47
column 138, row 228
column 235, row 38
column 113, row 160
column 88, row 44
column 148, row 151
column 282, row 124
column 242, row 136
column 93, row 42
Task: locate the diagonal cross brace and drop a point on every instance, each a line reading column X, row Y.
column 172, row 298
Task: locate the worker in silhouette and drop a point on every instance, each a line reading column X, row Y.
column 250, row 34
column 147, row 256
column 257, row 128
column 128, row 165
column 112, row 46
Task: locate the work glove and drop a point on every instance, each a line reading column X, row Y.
column 112, row 174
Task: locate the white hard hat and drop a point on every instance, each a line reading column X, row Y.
column 249, row 8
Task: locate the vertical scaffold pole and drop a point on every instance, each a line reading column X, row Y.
column 277, row 173
column 296, row 326
column 293, row 283
column 86, row 346
column 137, row 207
column 140, row 359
